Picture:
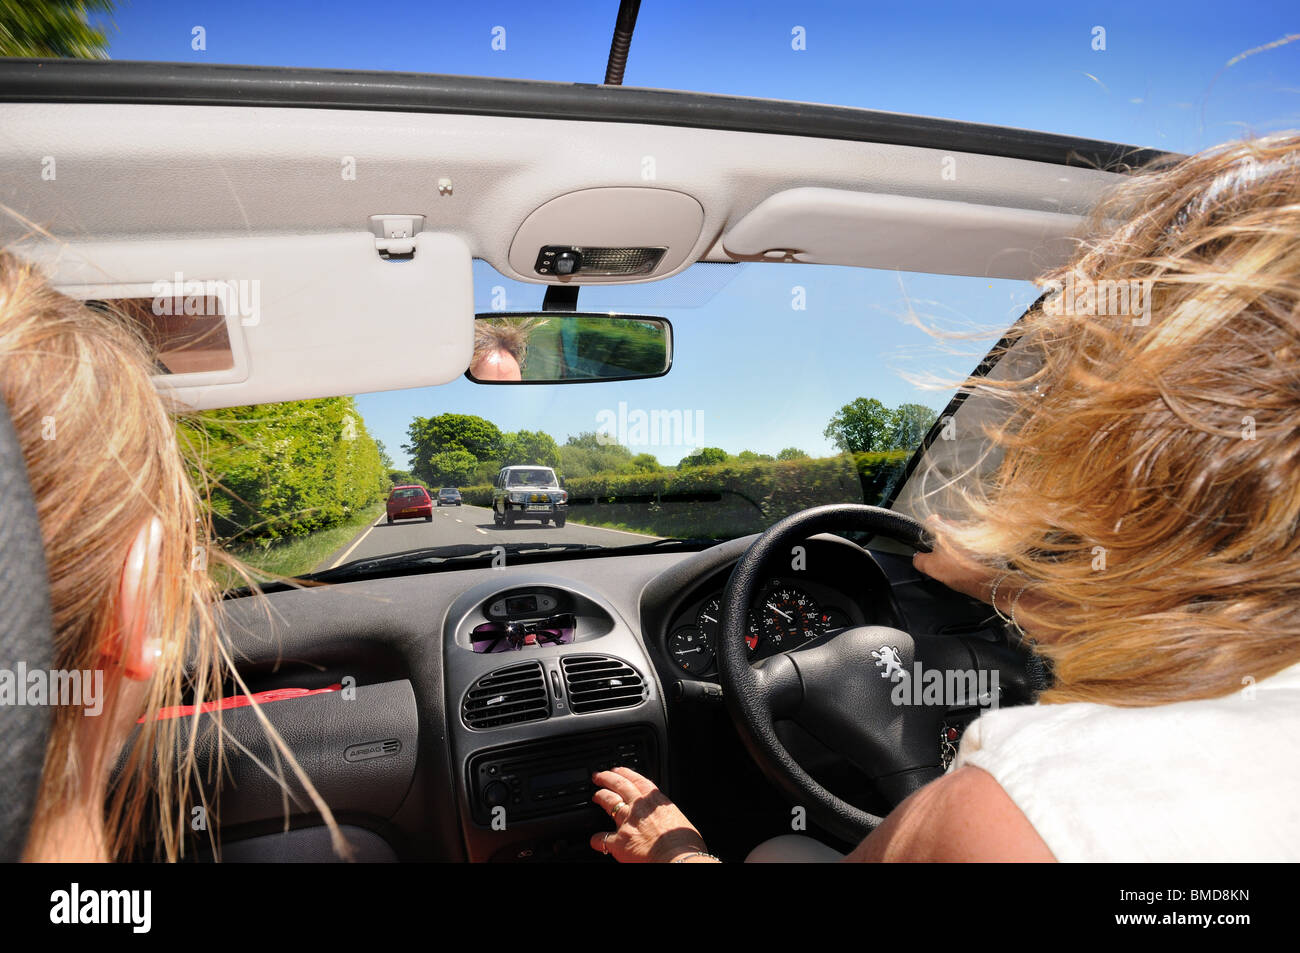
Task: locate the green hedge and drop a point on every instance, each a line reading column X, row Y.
column 729, row 499
column 285, row 471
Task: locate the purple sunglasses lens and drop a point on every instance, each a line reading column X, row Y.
column 492, row 637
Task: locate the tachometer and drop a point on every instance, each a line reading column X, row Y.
column 709, row 621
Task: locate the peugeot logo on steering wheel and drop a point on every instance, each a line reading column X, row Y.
column 888, row 659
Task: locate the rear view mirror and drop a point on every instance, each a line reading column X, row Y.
column 552, row 347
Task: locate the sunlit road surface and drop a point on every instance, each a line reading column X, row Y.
column 457, row 525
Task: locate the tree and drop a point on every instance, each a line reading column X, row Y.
column 749, row 456
column 704, row 457
column 452, row 468
column 792, row 453
column 485, row 472
column 590, row 440
column 401, row 477
column 910, row 425
column 384, row 458
column 429, row 436
column 531, row 447
column 646, row 462
column 860, row 426
column 586, row 455
column 56, row 28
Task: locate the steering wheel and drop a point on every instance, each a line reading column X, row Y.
column 852, row 689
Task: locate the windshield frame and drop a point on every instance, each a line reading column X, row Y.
column 38, row 80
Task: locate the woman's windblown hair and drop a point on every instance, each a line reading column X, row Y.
column 1148, row 498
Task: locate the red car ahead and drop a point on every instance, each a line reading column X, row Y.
column 409, row 502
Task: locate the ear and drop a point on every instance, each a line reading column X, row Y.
column 136, row 648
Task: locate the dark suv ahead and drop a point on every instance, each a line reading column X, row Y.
column 449, row 496
column 528, row 493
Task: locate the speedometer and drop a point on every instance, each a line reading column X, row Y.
column 790, row 617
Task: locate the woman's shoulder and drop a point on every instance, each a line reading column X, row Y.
column 1266, row 700
column 1196, row 780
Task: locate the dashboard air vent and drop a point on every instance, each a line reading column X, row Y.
column 508, row 696
column 600, row 683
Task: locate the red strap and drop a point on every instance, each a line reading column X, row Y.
column 242, row 701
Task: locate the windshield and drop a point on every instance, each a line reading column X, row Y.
column 530, row 478
column 792, row 385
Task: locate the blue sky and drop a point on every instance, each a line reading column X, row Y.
column 1162, row 80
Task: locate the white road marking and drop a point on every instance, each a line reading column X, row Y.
column 606, row 529
column 344, row 558
column 477, row 530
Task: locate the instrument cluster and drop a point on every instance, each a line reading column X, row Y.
column 784, row 615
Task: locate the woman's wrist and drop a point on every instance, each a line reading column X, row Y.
column 677, row 844
column 695, row 857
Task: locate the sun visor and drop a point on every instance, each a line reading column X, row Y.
column 239, row 321
column 871, row 230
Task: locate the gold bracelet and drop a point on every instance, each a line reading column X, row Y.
column 699, row 853
column 1015, row 602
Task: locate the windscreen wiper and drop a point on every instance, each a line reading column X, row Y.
column 674, row 542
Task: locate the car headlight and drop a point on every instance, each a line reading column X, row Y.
column 561, row 497
column 518, row 497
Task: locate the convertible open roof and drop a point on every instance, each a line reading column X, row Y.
column 120, row 175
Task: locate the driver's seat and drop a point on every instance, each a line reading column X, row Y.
column 793, row 849
column 26, row 640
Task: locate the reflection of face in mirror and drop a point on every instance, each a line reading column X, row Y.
column 500, row 349
column 543, row 348
column 496, row 365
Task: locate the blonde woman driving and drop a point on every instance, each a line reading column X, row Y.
column 1169, row 445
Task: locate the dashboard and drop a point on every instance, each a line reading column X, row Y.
column 478, row 702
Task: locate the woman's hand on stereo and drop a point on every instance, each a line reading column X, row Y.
column 649, row 828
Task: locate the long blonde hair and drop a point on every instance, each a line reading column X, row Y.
column 102, row 458
column 1148, row 499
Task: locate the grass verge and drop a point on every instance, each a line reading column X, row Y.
column 293, row 557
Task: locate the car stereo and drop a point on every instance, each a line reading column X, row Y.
column 540, row 778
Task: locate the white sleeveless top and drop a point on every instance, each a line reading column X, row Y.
column 1212, row 780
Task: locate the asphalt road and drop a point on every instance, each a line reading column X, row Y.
column 454, row 525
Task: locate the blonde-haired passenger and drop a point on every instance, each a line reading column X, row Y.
column 119, row 518
column 1168, row 443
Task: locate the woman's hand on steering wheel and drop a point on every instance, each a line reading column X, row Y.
column 952, row 566
column 649, row 828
